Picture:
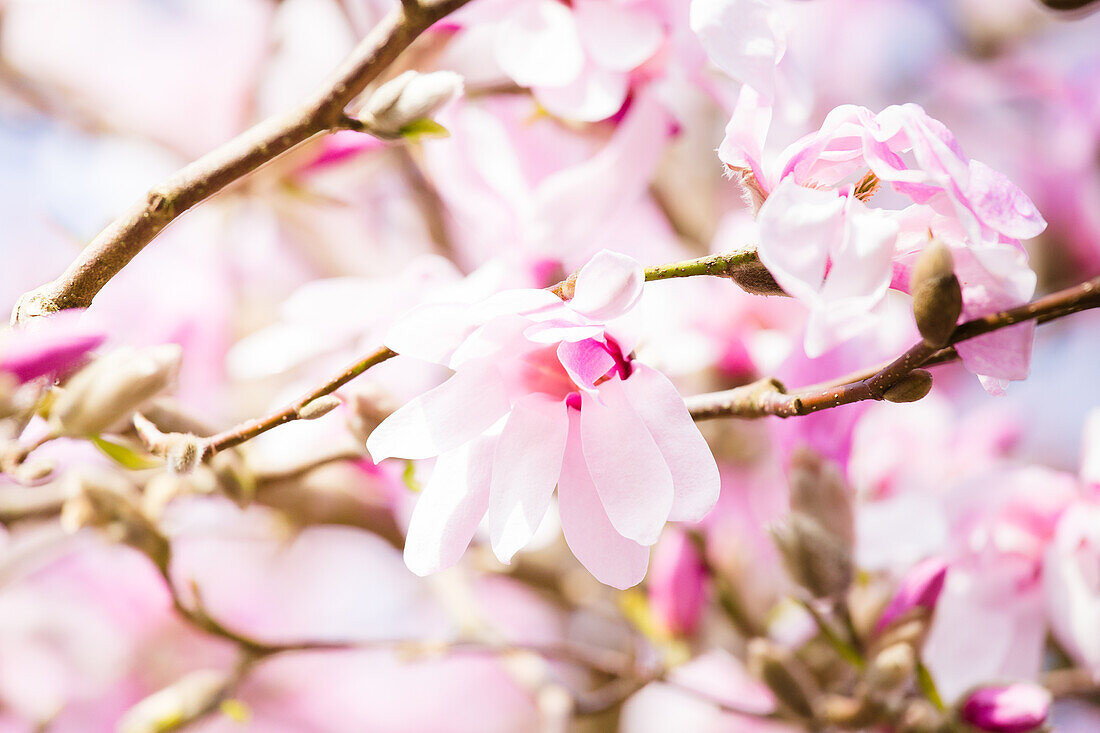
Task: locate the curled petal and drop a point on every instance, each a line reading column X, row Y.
column 607, row 286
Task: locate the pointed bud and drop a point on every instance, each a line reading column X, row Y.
column 912, row 387
column 676, row 583
column 921, row 716
column 181, row 451
column 818, row 490
column 184, row 701
column 112, row 386
column 1017, row 708
column 790, row 682
column 814, row 557
column 849, row 713
column 408, row 98
column 318, row 407
column 917, row 593
column 937, row 296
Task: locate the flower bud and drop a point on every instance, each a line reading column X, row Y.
column 1068, row 4
column 849, row 713
column 408, row 98
column 818, row 490
column 910, row 388
column 183, row 701
column 181, row 451
column 790, row 682
column 47, row 346
column 108, row 503
column 1016, row 708
column 921, row 716
column 917, row 593
column 677, row 582
column 318, row 407
column 112, row 386
column 815, row 558
column 937, row 296
column 892, row 667
column 755, row 279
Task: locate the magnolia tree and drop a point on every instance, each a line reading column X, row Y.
column 636, row 365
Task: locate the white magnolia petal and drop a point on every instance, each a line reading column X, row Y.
column 695, row 477
column 610, row 557
column 631, row 476
column 443, row 418
column 607, row 286
column 525, row 470
column 450, row 507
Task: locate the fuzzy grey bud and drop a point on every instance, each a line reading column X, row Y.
column 910, row 388
column 112, row 386
column 785, row 676
column 318, row 407
column 818, row 490
column 185, row 700
column 408, row 98
column 937, row 296
column 815, row 558
column 892, row 667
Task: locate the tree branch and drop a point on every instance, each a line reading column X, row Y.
column 127, row 235
column 768, row 397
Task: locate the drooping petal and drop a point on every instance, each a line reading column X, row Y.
column 442, row 418
column 631, row 475
column 450, row 507
column 695, row 478
column 610, row 557
column 607, row 286
column 616, row 36
column 798, row 228
column 525, row 469
column 538, row 44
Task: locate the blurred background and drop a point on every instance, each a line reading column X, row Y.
column 279, row 281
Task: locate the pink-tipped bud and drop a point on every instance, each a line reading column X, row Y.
column 1016, row 708
column 47, row 346
column 677, row 582
column 919, row 589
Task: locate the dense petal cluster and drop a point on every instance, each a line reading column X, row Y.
column 543, row 395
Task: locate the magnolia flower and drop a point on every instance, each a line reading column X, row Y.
column 1015, row 708
column 677, row 583
column 543, row 394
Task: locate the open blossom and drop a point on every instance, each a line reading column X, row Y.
column 544, row 394
column 827, row 247
column 577, row 58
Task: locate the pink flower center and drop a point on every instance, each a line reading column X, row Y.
column 562, row 370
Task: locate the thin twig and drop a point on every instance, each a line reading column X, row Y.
column 767, row 397
column 127, row 235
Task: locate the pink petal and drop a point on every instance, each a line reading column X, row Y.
column 741, row 40
column 695, row 478
column 1001, row 204
column 594, row 95
column 48, row 346
column 610, row 557
column 616, row 36
column 631, row 476
column 608, row 286
column 450, row 507
column 537, row 44
column 798, row 228
column 746, row 132
column 525, row 469
column 586, row 361
column 443, row 418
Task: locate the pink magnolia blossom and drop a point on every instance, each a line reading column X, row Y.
column 677, row 582
column 920, row 588
column 49, row 346
column 577, row 58
column 1009, row 709
column 543, row 394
